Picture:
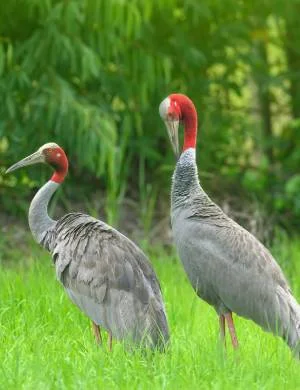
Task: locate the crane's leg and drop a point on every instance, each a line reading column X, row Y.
column 234, row 340
column 97, row 333
column 109, row 341
column 222, row 330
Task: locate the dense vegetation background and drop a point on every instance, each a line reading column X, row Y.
column 90, row 74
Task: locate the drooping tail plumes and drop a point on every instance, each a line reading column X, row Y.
column 290, row 318
column 294, row 334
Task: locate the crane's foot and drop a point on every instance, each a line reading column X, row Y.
column 109, row 341
column 97, row 333
column 231, row 327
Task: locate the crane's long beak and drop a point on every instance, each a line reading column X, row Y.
column 172, row 127
column 34, row 158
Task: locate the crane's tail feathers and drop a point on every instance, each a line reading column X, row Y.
column 295, row 327
column 158, row 325
column 291, row 321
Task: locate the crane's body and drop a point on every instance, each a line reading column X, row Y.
column 103, row 272
column 226, row 265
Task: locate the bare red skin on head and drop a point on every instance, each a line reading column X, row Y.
column 183, row 108
column 56, row 157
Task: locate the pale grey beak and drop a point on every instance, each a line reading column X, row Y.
column 172, row 127
column 34, row 158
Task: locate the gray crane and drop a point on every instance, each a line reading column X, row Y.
column 226, row 265
column 104, row 273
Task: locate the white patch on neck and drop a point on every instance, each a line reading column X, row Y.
column 189, row 154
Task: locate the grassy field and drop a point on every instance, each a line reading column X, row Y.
column 46, row 343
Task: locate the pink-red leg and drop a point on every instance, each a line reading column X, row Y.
column 109, row 341
column 222, row 329
column 97, row 333
column 229, row 320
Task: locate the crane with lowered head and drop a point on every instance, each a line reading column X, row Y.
column 226, row 265
column 103, row 272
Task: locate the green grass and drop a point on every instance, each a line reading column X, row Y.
column 46, row 343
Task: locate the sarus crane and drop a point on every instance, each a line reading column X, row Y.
column 103, row 272
column 226, row 265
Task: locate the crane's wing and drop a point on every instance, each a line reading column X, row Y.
column 241, row 249
column 107, row 276
column 234, row 270
column 92, row 257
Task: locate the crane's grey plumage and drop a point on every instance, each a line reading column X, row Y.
column 108, row 277
column 227, row 266
column 104, row 273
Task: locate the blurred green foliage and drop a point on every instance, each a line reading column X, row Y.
column 90, row 74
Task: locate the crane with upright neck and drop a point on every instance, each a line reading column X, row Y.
column 104, row 273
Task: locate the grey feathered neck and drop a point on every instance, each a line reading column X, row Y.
column 38, row 218
column 185, row 181
column 188, row 193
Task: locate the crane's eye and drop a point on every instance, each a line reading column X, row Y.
column 172, row 115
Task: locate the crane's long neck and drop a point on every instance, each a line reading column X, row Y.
column 185, row 183
column 187, row 192
column 38, row 218
column 189, row 115
column 185, row 178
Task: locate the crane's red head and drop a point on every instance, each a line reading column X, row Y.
column 56, row 157
column 178, row 108
column 51, row 154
